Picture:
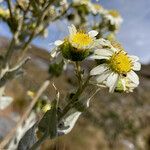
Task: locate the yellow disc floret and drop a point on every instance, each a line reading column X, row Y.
column 97, row 6
column 114, row 13
column 81, row 40
column 120, row 62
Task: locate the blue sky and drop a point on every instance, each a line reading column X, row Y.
column 134, row 32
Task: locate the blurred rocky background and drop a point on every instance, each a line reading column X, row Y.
column 113, row 122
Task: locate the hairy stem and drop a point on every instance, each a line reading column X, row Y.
column 13, row 43
column 33, row 34
column 74, row 99
column 78, row 72
column 65, row 110
column 39, row 142
column 10, row 9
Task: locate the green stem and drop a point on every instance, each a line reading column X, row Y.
column 34, row 33
column 65, row 110
column 74, row 99
column 10, row 9
column 78, row 72
column 39, row 142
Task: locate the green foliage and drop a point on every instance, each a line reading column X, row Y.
column 55, row 69
column 48, row 124
column 28, row 20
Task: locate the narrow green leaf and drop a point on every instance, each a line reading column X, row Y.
column 48, row 123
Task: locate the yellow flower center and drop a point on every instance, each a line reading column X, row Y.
column 114, row 13
column 120, row 62
column 4, row 13
column 85, row 1
column 97, row 7
column 81, row 40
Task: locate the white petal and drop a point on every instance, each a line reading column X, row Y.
column 103, row 76
column 136, row 66
column 98, row 57
column 98, row 70
column 58, row 42
column 104, row 42
column 112, row 81
column 95, row 44
column 72, row 29
column 133, row 77
column 103, row 52
column 134, row 58
column 133, row 85
column 93, row 33
column 53, row 53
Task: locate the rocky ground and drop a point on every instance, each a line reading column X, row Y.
column 113, row 122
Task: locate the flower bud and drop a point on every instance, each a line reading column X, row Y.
column 72, row 53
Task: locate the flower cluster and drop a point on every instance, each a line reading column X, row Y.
column 91, row 7
column 113, row 18
column 116, row 70
column 4, row 13
column 110, row 19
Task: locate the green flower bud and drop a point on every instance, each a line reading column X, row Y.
column 119, row 87
column 72, row 53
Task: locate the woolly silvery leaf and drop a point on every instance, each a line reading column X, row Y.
column 28, row 139
column 68, row 123
column 20, row 132
column 5, row 101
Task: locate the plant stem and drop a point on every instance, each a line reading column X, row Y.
column 65, row 110
column 10, row 9
column 33, row 34
column 13, row 43
column 39, row 142
column 78, row 70
column 73, row 100
column 92, row 96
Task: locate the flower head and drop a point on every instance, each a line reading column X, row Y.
column 4, row 13
column 113, row 17
column 118, row 65
column 96, row 8
column 81, row 1
column 77, row 45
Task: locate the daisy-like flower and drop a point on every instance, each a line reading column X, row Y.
column 114, row 17
column 96, row 8
column 77, row 45
column 4, row 13
column 118, row 64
